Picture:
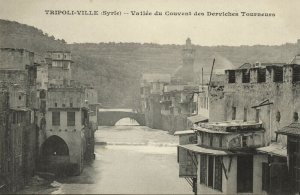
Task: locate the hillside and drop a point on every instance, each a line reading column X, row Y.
column 118, row 66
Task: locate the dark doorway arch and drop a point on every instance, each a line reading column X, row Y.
column 55, row 145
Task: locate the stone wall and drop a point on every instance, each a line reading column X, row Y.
column 15, row 58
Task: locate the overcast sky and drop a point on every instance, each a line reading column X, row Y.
column 203, row 30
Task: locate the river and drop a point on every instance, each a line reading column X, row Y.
column 135, row 160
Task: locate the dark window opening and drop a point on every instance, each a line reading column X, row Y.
column 84, row 117
column 244, row 141
column 220, row 141
column 295, row 117
column 18, row 117
column 296, row 73
column 231, row 76
column 210, row 178
column 55, row 104
column 211, row 137
column 233, row 113
column 261, row 75
column 20, row 97
column 246, row 76
column 71, row 118
column 56, row 118
column 203, row 169
column 245, row 114
column 63, row 105
column 278, row 74
column 244, row 174
column 265, row 177
column 218, row 174
column 278, row 116
column 42, row 94
column 71, row 105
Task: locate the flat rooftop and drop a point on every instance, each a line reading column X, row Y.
column 230, row 126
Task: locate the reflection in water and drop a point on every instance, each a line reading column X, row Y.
column 136, row 160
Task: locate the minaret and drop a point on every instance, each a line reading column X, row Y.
column 188, row 61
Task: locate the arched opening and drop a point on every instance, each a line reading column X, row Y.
column 127, row 122
column 55, row 157
column 55, row 146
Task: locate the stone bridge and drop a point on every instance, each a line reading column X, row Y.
column 111, row 117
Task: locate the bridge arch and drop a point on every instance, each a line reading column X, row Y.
column 110, row 118
column 127, row 121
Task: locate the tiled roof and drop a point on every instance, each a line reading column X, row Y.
column 291, row 129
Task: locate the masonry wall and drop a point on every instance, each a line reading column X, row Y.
column 283, row 96
column 172, row 123
column 15, row 58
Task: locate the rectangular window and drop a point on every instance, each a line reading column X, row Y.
column 245, row 114
column 278, row 74
column 261, row 75
column 296, row 73
column 56, row 118
column 210, row 172
column 71, row 118
column 246, row 76
column 233, row 113
column 231, row 76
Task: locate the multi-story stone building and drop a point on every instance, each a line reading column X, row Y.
column 243, row 147
column 151, row 88
column 18, row 131
column 59, row 67
column 67, row 135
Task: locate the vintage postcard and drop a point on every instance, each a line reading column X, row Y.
column 149, row 97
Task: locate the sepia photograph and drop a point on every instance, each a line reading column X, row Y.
column 150, row 97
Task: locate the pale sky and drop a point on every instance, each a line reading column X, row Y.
column 203, row 30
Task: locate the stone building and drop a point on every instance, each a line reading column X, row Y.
column 251, row 115
column 59, row 67
column 66, row 119
column 18, row 132
column 66, row 138
column 151, row 89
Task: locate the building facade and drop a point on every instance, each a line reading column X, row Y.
column 17, row 115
